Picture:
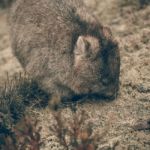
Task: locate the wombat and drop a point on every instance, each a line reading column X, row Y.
column 62, row 45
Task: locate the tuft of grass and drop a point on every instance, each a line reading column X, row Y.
column 18, row 132
column 17, row 93
column 74, row 135
column 25, row 135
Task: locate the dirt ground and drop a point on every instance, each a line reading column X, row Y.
column 131, row 27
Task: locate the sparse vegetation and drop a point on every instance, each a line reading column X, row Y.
column 25, row 135
column 19, row 92
column 76, row 135
column 18, row 132
column 135, row 3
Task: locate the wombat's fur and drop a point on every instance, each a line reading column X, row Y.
column 63, row 46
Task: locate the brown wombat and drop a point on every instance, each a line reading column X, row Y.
column 64, row 48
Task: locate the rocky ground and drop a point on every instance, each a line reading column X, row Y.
column 131, row 27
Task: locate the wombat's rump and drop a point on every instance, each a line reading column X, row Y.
column 64, row 48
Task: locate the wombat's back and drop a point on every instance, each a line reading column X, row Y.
column 47, row 25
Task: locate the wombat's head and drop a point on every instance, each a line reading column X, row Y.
column 96, row 65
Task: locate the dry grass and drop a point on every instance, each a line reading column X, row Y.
column 76, row 135
column 20, row 132
column 135, row 3
column 73, row 135
column 25, row 135
column 16, row 94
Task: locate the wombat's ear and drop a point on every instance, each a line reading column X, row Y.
column 81, row 45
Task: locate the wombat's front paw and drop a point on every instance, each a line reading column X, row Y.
column 60, row 95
